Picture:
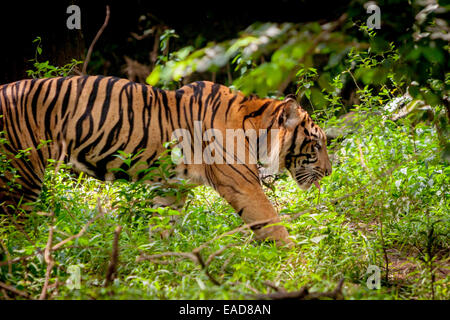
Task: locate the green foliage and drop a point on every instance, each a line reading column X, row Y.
column 385, row 204
column 45, row 69
column 271, row 58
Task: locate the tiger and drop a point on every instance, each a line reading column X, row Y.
column 88, row 119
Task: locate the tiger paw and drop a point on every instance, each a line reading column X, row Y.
column 275, row 233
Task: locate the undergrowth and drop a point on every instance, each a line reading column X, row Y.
column 385, row 206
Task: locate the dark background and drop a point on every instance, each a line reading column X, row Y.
column 21, row 22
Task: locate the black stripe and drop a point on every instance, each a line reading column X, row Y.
column 107, row 101
column 230, row 102
column 50, row 108
column 178, row 96
column 87, row 114
column 258, row 112
column 258, row 226
column 66, row 98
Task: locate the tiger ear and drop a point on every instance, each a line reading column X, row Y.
column 290, row 116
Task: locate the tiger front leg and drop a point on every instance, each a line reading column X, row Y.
column 255, row 209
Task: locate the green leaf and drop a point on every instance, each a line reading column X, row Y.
column 154, row 76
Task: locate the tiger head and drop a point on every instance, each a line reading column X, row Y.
column 303, row 149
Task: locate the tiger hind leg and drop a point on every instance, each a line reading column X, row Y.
column 20, row 186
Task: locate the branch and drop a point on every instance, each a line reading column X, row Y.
column 314, row 44
column 205, row 268
column 8, row 256
column 50, row 263
column 97, row 36
column 112, row 268
column 19, row 259
column 283, row 295
column 217, row 253
column 194, row 256
column 15, row 291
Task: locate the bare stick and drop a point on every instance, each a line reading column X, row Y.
column 283, row 295
column 8, row 256
column 5, row 295
column 336, row 294
column 274, row 286
column 217, row 253
column 14, row 290
column 154, row 53
column 50, row 263
column 112, row 268
column 229, row 77
column 225, row 264
column 97, row 36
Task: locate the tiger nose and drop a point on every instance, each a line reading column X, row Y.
column 328, row 171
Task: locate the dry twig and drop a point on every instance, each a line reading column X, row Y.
column 50, row 263
column 8, row 256
column 238, row 229
column 303, row 294
column 15, row 291
column 112, row 268
column 194, row 256
column 97, row 36
column 274, row 286
column 217, row 253
column 83, row 230
column 205, row 268
column 19, row 259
